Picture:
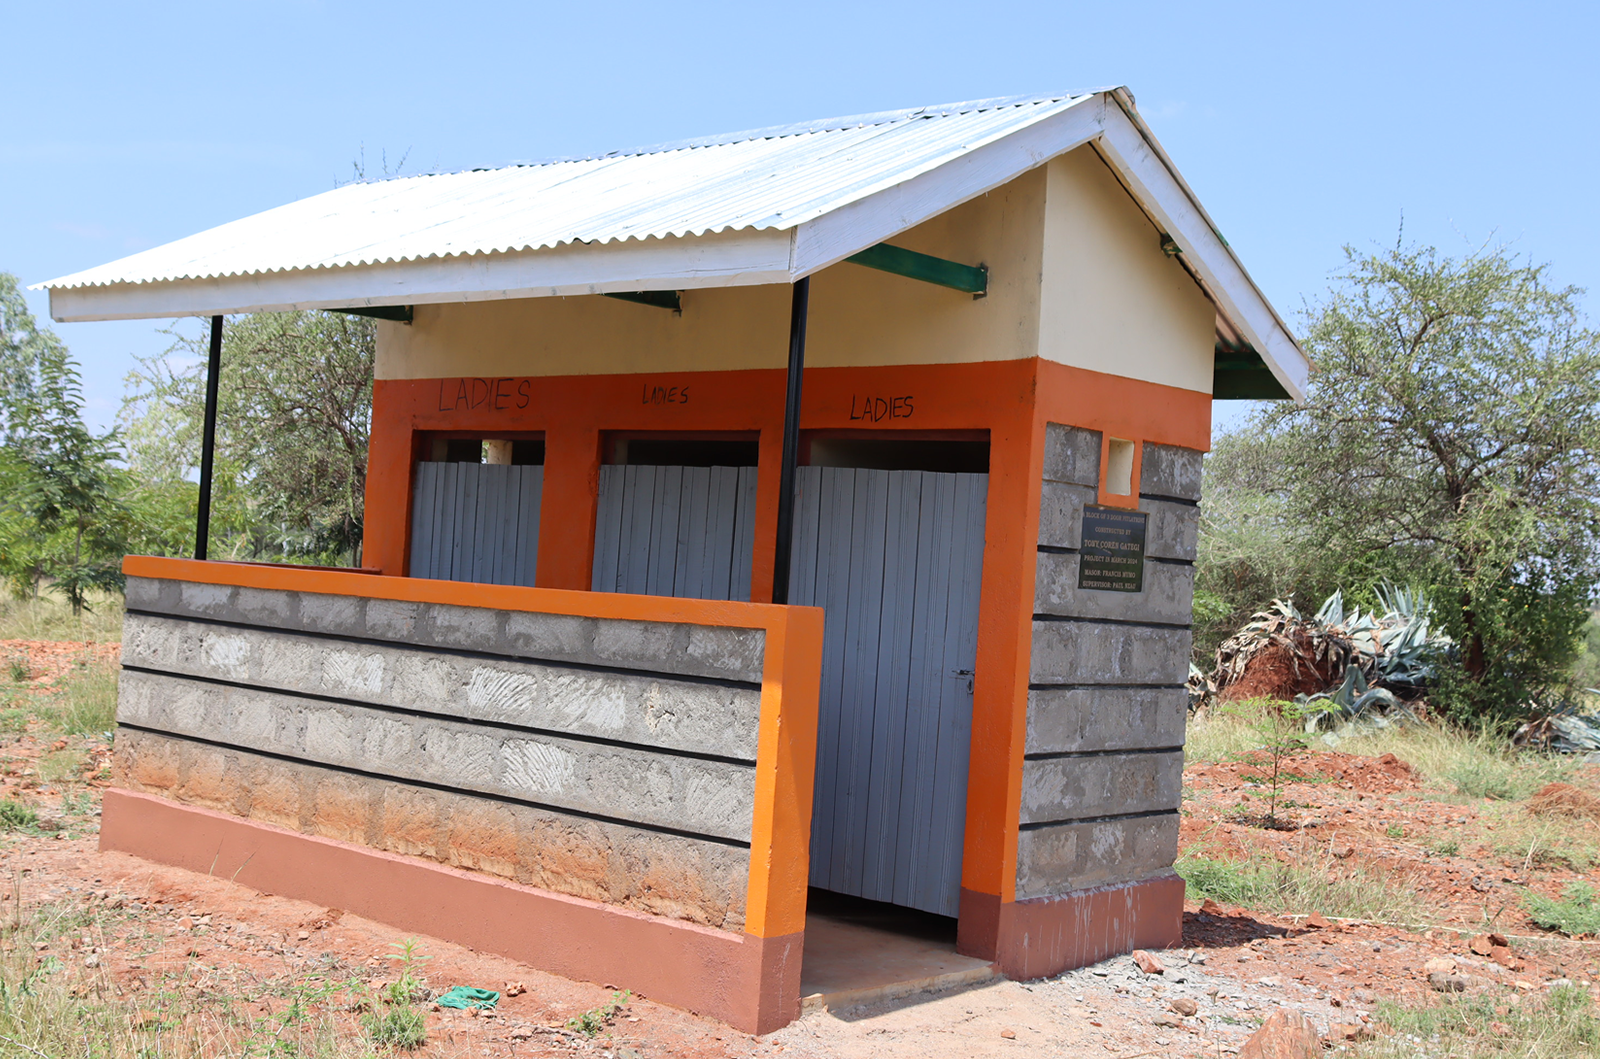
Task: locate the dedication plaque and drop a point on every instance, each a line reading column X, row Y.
column 1111, row 558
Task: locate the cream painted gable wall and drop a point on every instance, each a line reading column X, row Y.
column 1112, row 300
column 1076, row 274
column 859, row 315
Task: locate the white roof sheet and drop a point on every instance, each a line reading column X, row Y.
column 774, row 178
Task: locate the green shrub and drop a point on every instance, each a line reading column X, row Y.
column 1576, row 912
column 15, row 814
column 396, row 1027
column 591, row 1022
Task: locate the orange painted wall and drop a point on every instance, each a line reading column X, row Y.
column 1012, row 400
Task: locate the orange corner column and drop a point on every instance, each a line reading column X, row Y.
column 780, row 833
column 1000, row 692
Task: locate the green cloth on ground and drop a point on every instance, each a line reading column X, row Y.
column 464, row 996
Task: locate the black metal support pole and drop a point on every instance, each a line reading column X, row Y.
column 791, row 441
column 208, row 442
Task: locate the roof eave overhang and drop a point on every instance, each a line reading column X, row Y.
column 722, row 259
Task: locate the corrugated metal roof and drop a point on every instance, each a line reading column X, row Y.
column 774, row 178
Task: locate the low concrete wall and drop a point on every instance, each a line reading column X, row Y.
column 657, row 767
column 432, row 697
column 1102, row 773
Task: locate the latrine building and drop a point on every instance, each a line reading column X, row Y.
column 807, row 509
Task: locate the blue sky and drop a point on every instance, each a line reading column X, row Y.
column 1302, row 127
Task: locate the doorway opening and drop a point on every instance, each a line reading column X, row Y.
column 889, row 542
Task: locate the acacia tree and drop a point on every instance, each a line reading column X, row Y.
column 61, row 512
column 294, row 408
column 1452, row 436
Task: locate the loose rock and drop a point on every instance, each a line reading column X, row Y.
column 1285, row 1035
column 1148, row 963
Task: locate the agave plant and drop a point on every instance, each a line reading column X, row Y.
column 1375, row 653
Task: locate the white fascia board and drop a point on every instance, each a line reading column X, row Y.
column 866, row 222
column 723, row 259
column 1152, row 180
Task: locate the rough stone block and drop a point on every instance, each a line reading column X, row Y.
column 1073, row 720
column 1064, row 857
column 1167, row 596
column 206, row 780
column 337, row 615
column 1173, row 531
column 392, row 619
column 556, row 636
column 147, row 763
column 1077, row 788
column 342, row 806
column 469, row 628
column 411, row 821
column 454, row 754
column 483, row 838
column 142, row 593
column 1167, row 470
column 274, row 793
column 211, row 600
column 265, row 606
column 734, row 654
column 1061, row 513
column 1072, row 454
column 651, row 646
column 1078, row 652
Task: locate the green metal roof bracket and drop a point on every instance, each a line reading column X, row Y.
column 661, row 299
column 399, row 313
column 969, row 279
column 1239, row 373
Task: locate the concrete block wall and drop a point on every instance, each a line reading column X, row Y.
column 1102, row 772
column 607, row 759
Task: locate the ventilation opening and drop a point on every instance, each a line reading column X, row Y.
column 519, row 452
column 684, row 452
column 899, row 454
column 1119, row 467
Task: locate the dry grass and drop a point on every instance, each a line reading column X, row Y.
column 1312, row 881
column 1454, row 764
column 1467, row 765
column 53, row 1004
column 49, row 618
column 1225, row 733
column 85, row 703
column 1560, row 1025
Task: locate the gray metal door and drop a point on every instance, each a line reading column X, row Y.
column 895, row 558
column 675, row 531
column 476, row 522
